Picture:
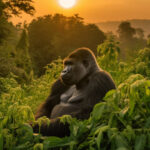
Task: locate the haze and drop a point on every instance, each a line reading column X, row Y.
column 94, row 11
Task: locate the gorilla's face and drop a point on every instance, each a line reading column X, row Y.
column 74, row 71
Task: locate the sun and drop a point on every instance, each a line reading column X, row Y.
column 67, row 3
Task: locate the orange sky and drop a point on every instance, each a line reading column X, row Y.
column 94, row 11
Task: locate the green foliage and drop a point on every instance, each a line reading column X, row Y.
column 9, row 8
column 22, row 59
column 15, row 59
column 108, row 52
column 131, row 40
column 125, row 31
column 120, row 122
column 142, row 62
column 148, row 41
column 108, row 59
column 15, row 108
column 4, row 29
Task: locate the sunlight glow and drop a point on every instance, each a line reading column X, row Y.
column 67, row 3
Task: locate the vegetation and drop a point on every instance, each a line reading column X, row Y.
column 120, row 122
column 13, row 44
column 131, row 39
column 9, row 8
column 57, row 35
column 29, row 64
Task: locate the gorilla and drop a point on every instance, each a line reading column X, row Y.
column 81, row 85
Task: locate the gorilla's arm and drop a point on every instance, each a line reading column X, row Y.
column 56, row 128
column 100, row 83
column 53, row 99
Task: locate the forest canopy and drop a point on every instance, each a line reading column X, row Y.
column 57, row 35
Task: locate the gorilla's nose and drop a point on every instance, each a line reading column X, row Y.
column 64, row 73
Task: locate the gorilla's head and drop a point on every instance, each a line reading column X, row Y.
column 78, row 65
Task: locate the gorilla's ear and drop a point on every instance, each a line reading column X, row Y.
column 86, row 63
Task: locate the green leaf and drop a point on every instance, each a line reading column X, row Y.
column 100, row 131
column 121, row 141
column 140, row 142
column 132, row 105
column 147, row 124
column 53, row 142
column 67, row 118
column 99, row 139
column 109, row 94
column 148, row 141
column 98, row 111
column 1, row 142
column 38, row 146
column 122, row 148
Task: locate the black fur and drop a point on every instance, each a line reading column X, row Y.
column 92, row 88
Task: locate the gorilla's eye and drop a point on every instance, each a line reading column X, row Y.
column 68, row 62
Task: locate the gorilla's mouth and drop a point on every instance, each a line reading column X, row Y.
column 67, row 81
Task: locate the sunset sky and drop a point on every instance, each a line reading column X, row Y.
column 94, row 11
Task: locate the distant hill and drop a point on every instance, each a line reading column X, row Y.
column 113, row 25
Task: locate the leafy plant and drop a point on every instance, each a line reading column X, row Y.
column 120, row 122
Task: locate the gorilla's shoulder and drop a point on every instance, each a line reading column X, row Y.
column 103, row 78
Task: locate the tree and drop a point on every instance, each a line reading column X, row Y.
column 4, row 29
column 125, row 31
column 131, row 40
column 16, row 7
column 2, row 6
column 140, row 33
column 41, row 32
column 108, row 53
column 57, row 35
column 148, row 40
column 9, row 8
column 22, row 56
